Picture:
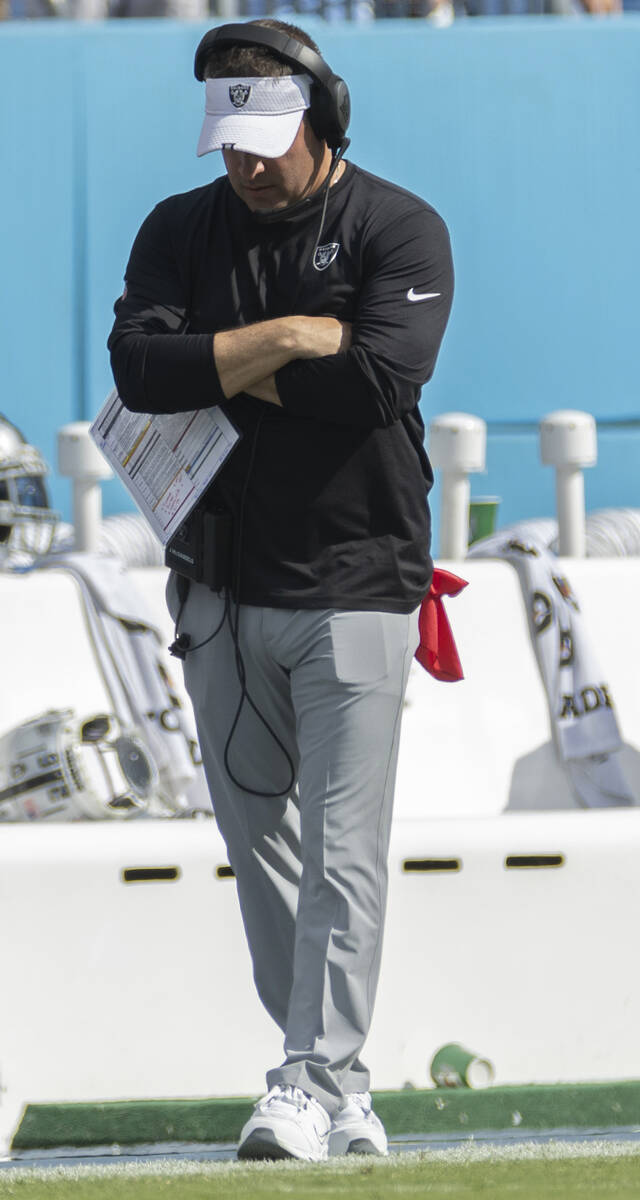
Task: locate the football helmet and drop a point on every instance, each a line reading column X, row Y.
column 27, row 522
column 58, row 767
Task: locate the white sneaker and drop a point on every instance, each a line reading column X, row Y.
column 356, row 1129
column 286, row 1123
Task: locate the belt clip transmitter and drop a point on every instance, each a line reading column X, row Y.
column 201, row 550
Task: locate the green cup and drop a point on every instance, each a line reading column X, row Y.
column 455, row 1066
column 483, row 515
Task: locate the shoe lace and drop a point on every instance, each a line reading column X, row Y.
column 362, row 1100
column 292, row 1095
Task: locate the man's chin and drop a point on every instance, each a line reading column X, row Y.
column 263, row 200
column 265, row 209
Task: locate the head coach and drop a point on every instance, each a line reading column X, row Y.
column 309, row 299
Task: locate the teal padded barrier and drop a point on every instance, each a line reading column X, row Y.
column 521, row 131
column 40, row 252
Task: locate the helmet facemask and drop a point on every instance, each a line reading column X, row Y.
column 27, row 522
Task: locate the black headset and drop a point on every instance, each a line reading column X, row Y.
column 330, row 105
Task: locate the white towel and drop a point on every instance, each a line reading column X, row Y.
column 583, row 719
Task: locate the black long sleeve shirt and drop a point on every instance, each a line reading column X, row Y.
column 331, row 488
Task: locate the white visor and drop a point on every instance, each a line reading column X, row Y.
column 259, row 115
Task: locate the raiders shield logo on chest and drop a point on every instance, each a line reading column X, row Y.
column 325, row 255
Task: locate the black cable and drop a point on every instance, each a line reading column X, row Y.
column 181, row 645
column 234, row 626
column 326, row 185
column 342, row 148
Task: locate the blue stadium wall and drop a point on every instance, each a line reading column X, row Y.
column 522, row 132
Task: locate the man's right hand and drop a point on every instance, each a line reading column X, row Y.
column 317, row 337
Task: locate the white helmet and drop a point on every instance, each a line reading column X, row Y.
column 27, row 522
column 57, row 767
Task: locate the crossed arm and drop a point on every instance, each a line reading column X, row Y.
column 311, row 366
column 247, row 357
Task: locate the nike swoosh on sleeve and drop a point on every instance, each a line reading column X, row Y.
column 411, row 295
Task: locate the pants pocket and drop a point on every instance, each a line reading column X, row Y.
column 359, row 647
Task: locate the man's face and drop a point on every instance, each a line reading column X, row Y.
column 268, row 184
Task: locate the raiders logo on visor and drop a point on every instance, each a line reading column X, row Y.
column 239, row 94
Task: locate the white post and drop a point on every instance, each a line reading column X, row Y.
column 457, row 446
column 568, row 442
column 80, row 460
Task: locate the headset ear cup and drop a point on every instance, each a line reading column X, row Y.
column 319, row 113
column 329, row 111
column 343, row 105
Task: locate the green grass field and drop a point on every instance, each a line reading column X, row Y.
column 524, row 1173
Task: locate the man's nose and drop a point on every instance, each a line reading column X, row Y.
column 249, row 165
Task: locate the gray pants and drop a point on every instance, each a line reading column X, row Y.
column 310, row 864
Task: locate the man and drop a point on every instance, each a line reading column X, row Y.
column 310, row 299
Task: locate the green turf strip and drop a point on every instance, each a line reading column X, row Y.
column 432, row 1111
column 535, row 1179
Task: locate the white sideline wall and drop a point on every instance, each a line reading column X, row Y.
column 132, row 990
column 473, row 748
column 115, row 989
